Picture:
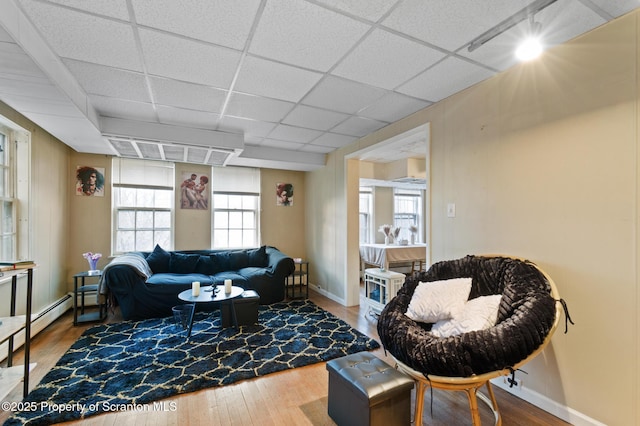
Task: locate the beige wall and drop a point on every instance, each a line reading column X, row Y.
column 50, row 227
column 283, row 226
column 192, row 228
column 382, row 210
column 542, row 162
column 89, row 217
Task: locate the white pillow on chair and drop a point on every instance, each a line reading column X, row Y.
column 478, row 314
column 438, row 300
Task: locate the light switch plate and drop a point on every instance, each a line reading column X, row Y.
column 451, row 210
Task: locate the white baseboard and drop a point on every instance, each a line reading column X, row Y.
column 326, row 294
column 563, row 412
column 59, row 308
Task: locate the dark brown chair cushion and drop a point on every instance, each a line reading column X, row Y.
column 525, row 317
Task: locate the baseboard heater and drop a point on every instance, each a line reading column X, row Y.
column 51, row 313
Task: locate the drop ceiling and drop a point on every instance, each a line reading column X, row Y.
column 287, row 80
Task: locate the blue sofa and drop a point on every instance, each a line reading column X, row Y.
column 147, row 284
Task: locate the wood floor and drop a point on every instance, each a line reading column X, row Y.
column 294, row 397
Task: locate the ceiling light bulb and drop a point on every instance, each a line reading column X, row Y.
column 530, row 49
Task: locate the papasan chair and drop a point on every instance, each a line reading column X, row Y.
column 528, row 311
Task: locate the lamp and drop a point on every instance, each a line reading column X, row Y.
column 531, row 47
column 521, row 15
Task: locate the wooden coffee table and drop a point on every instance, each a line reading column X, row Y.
column 210, row 294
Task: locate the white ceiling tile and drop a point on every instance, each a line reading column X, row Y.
column 303, row 34
column 83, row 33
column 320, row 149
column 333, row 140
column 257, row 107
column 271, row 51
column 118, row 108
column 450, row 24
column 113, row 8
column 250, row 128
column 386, row 60
column 274, row 143
column 444, row 79
column 342, row 95
column 187, row 117
column 371, row 10
column 314, row 118
column 294, row 134
column 178, row 58
column 618, row 7
column 187, row 95
column 499, row 53
column 112, row 82
column 358, row 126
column 392, row 107
column 275, row 80
column 555, row 30
column 223, row 22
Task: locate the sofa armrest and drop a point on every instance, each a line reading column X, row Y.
column 121, row 276
column 280, row 265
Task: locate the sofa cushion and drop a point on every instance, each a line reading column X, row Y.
column 206, row 265
column 258, row 257
column 175, row 283
column 181, row 263
column 236, row 278
column 221, row 260
column 238, row 259
column 158, row 260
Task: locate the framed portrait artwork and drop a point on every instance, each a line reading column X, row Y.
column 193, row 191
column 90, row 181
column 284, row 194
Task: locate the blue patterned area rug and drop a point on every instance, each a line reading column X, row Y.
column 133, row 364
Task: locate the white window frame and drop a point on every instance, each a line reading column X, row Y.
column 366, row 234
column 14, row 199
column 254, row 228
column 117, row 208
column 401, row 216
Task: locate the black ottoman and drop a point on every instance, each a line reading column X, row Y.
column 364, row 390
column 246, row 306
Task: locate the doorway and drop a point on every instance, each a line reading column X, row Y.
column 394, row 166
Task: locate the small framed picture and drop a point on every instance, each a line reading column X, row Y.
column 90, row 181
column 284, row 194
column 193, row 191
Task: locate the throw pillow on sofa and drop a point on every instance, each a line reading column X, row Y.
column 258, row 257
column 206, row 265
column 158, row 260
column 180, row 263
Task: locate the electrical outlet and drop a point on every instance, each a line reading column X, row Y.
column 513, row 383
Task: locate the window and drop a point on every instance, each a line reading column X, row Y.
column 407, row 209
column 236, row 207
column 143, row 200
column 14, row 193
column 235, row 219
column 366, row 214
column 7, row 202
